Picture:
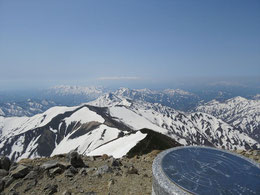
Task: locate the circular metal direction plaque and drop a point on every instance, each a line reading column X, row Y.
column 207, row 171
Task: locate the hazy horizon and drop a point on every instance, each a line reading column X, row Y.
column 188, row 84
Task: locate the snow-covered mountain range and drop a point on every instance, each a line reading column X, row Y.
column 174, row 98
column 25, row 108
column 256, row 97
column 77, row 90
column 111, row 124
column 74, row 95
column 241, row 113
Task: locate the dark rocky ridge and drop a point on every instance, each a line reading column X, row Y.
column 153, row 141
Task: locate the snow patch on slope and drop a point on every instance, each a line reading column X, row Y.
column 87, row 142
column 119, row 147
column 84, row 115
column 133, row 120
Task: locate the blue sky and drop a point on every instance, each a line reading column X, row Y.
column 135, row 42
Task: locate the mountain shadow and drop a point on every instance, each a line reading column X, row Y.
column 153, row 141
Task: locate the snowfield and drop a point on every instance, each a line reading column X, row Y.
column 115, row 148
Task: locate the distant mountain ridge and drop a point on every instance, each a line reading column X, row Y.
column 77, row 90
column 75, row 95
column 25, row 108
column 67, row 95
column 174, row 98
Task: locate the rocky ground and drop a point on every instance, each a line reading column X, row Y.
column 251, row 154
column 74, row 174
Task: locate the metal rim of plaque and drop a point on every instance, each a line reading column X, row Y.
column 216, row 171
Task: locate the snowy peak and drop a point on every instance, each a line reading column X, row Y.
column 145, row 91
column 122, row 90
column 176, row 91
column 232, row 102
column 256, row 97
column 237, row 99
column 109, row 100
column 77, row 90
column 239, row 112
column 74, row 95
column 235, row 105
column 177, row 99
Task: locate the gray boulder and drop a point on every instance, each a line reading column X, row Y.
column 52, row 164
column 5, row 163
column 2, row 185
column 75, row 160
column 115, row 162
column 103, row 169
column 31, row 175
column 20, row 171
column 8, row 180
column 16, row 186
column 13, row 166
column 3, row 173
column 83, row 171
column 50, row 189
column 56, row 171
column 30, row 185
column 70, row 172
